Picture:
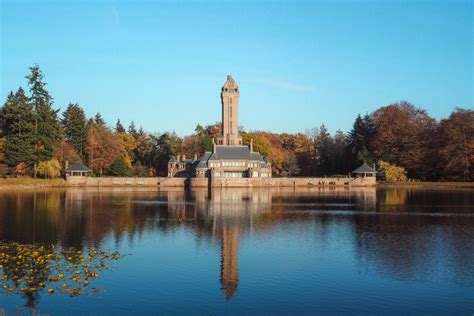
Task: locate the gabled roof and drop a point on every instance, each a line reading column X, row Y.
column 78, row 166
column 202, row 162
column 232, row 153
column 364, row 169
column 224, row 152
column 173, row 159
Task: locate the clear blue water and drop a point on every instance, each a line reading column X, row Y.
column 244, row 251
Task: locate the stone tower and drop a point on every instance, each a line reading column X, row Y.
column 230, row 116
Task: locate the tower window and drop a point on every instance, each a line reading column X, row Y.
column 230, row 100
column 230, row 110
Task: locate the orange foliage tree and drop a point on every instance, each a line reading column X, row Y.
column 127, row 144
column 102, row 148
column 404, row 137
column 456, row 145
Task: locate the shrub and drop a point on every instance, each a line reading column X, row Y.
column 49, row 169
column 392, row 173
column 119, row 168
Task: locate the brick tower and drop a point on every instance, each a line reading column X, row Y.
column 230, row 113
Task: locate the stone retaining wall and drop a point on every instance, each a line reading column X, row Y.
column 113, row 181
column 281, row 182
column 216, row 182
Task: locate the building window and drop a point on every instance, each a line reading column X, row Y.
column 217, row 174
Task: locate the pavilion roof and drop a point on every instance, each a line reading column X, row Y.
column 364, row 169
column 78, row 166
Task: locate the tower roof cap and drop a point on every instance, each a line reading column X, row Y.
column 230, row 83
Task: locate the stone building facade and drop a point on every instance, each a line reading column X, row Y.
column 229, row 159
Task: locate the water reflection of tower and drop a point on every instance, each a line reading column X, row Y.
column 229, row 258
column 231, row 212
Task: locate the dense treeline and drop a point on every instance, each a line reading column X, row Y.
column 399, row 138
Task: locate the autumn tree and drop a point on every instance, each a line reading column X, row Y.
column 75, row 129
column 302, row 148
column 65, row 152
column 198, row 143
column 392, row 173
column 403, row 137
column 102, row 148
column 49, row 169
column 127, row 144
column 456, row 145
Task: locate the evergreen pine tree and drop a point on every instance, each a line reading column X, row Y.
column 360, row 139
column 119, row 127
column 19, row 129
column 132, row 130
column 98, row 120
column 46, row 127
column 75, row 129
column 323, row 143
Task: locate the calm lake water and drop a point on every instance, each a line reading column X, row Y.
column 249, row 251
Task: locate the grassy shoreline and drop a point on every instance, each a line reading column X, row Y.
column 26, row 183
column 32, row 183
column 426, row 184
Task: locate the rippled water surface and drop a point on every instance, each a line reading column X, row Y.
column 235, row 251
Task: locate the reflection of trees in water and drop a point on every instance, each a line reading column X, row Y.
column 401, row 247
column 415, row 233
column 391, row 198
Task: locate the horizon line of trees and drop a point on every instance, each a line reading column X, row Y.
column 37, row 140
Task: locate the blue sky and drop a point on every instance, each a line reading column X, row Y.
column 298, row 63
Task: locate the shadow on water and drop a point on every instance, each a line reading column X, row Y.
column 400, row 233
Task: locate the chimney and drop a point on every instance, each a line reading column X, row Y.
column 67, row 164
column 213, row 147
column 184, row 157
column 251, row 145
column 178, row 157
column 195, row 157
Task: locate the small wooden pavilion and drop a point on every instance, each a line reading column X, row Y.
column 365, row 171
column 77, row 169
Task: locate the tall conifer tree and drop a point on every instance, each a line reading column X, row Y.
column 119, row 127
column 75, row 129
column 47, row 127
column 19, row 129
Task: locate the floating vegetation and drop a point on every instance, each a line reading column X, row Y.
column 36, row 268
